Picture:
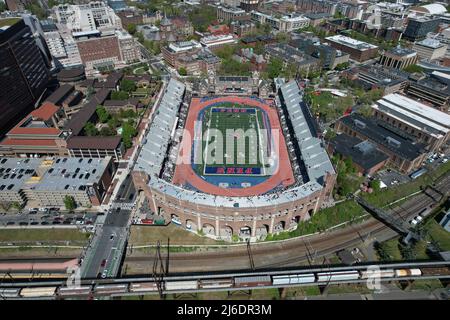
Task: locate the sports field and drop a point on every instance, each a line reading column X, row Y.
column 247, row 165
column 234, row 142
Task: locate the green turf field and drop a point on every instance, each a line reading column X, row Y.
column 244, row 140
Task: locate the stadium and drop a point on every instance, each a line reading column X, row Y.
column 233, row 166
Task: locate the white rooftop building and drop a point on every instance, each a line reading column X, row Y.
column 415, row 114
column 87, row 18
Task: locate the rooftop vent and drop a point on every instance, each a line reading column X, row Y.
column 392, row 142
column 360, row 124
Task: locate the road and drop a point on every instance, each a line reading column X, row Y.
column 296, row 251
column 110, row 240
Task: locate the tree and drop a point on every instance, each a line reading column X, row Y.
column 274, row 67
column 102, row 114
column 2, row 6
column 114, row 122
column 413, row 68
column 282, row 37
column 342, row 66
column 35, row 8
column 90, row 129
column 131, row 28
column 330, row 135
column 119, row 95
column 128, row 132
column 375, row 185
column 127, row 85
column 107, row 131
column 182, row 71
column 69, row 203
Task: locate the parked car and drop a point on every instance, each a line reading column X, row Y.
column 10, row 223
column 44, row 223
column 23, row 223
column 103, row 263
column 413, row 222
column 33, row 212
column 43, row 209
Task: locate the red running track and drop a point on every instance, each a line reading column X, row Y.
column 184, row 173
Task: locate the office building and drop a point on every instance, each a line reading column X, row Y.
column 398, row 58
column 24, row 72
column 358, row 50
column 428, row 125
column 404, row 154
column 418, row 28
column 430, row 49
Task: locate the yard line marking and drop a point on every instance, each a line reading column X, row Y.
column 260, row 143
column 207, row 140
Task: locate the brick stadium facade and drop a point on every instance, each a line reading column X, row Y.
column 222, row 219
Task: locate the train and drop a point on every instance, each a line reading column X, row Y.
column 237, row 282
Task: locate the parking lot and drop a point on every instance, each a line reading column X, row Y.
column 47, row 218
column 392, row 178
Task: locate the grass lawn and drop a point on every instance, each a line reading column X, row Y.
column 348, row 288
column 149, row 235
column 302, row 291
column 245, row 154
column 27, row 252
column 8, row 21
column 324, row 219
column 438, row 234
column 391, row 248
column 388, row 195
column 42, row 235
column 430, row 284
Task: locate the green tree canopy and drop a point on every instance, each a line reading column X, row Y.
column 90, row 129
column 127, row 85
column 182, row 71
column 131, row 28
column 102, row 114
column 69, row 203
column 274, row 67
column 119, row 95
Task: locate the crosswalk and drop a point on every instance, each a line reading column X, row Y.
column 123, row 205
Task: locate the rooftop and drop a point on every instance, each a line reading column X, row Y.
column 363, row 153
column 86, row 142
column 156, row 141
column 77, row 122
column 376, row 132
column 403, row 52
column 414, row 113
column 50, row 174
column 430, row 43
column 313, row 153
column 350, row 42
column 60, row 94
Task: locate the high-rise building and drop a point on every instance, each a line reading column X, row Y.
column 417, row 29
column 24, row 71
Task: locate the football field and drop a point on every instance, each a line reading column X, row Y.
column 235, row 142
